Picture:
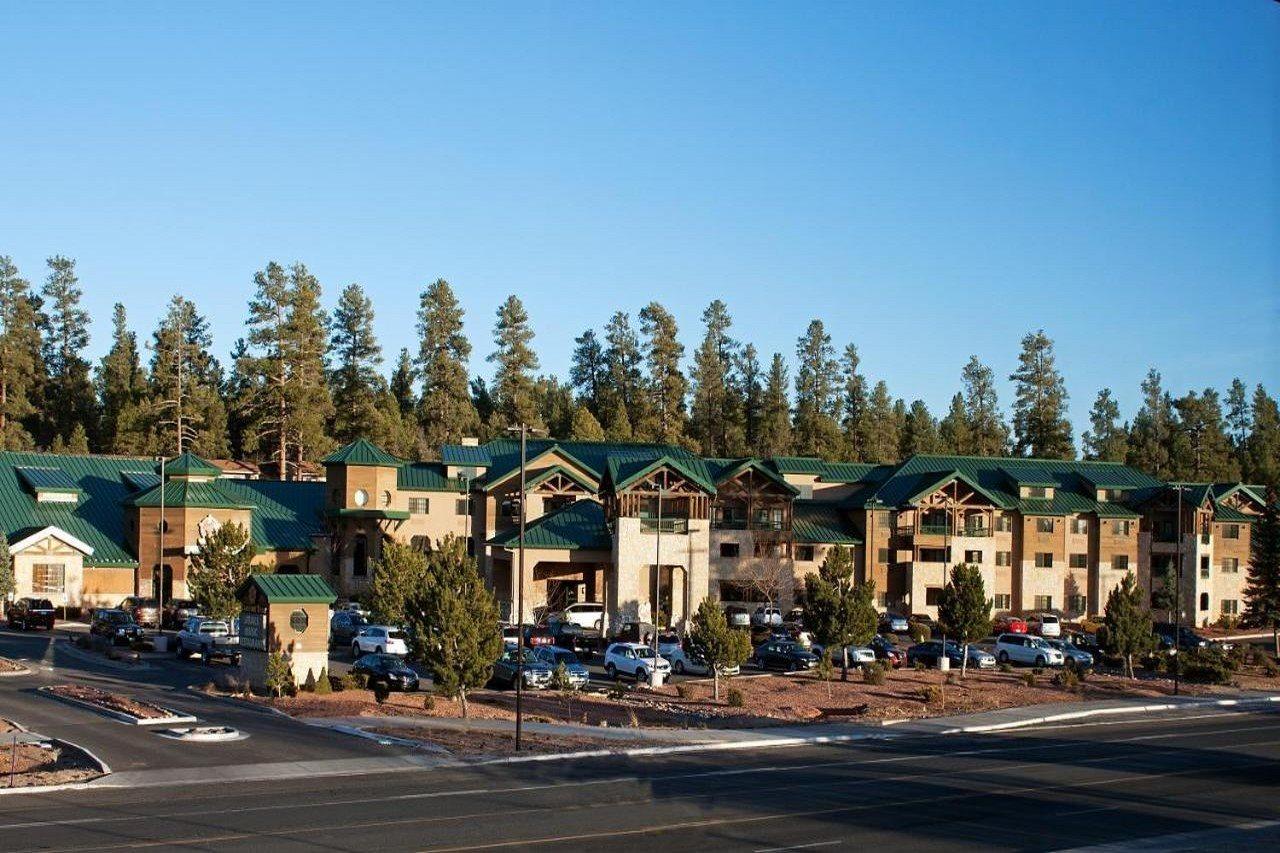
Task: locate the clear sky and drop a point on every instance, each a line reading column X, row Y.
column 933, row 180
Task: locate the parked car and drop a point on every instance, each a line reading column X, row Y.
column 209, row 638
column 887, row 649
column 784, row 655
column 115, row 625
column 145, row 611
column 352, row 607
column 763, row 615
column 1072, row 655
column 684, row 661
column 858, row 655
column 894, row 623
column 635, row 660
column 1007, row 623
column 536, row 674
column 388, row 670
column 344, row 625
column 1023, row 648
column 1086, row 642
column 380, row 639
column 28, row 613
column 510, row 633
column 1188, row 639
column 737, row 617
column 553, row 656
column 795, row 616
column 981, row 658
column 177, row 612
column 634, row 632
column 931, row 651
column 1045, row 624
column 587, row 614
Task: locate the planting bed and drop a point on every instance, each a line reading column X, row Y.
column 124, row 708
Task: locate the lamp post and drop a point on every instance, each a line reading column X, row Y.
column 158, row 578
column 524, row 431
column 465, row 482
column 1177, row 600
column 654, row 678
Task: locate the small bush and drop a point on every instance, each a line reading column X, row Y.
column 1270, row 668
column 684, row 691
column 1029, row 678
column 930, row 694
column 918, row 631
column 1207, row 666
column 381, row 693
column 1066, row 678
column 560, row 678
column 361, row 680
column 826, row 669
column 1038, row 670
column 1004, row 666
column 617, row 691
column 873, row 674
column 735, row 698
column 632, row 719
column 348, row 682
column 429, row 702
column 1083, row 673
column 920, row 667
column 323, row 684
column 309, row 683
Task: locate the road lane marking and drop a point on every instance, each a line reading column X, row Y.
column 799, row 846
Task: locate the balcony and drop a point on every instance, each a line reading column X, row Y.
column 1205, row 538
column 976, row 531
column 664, row 525
column 935, row 529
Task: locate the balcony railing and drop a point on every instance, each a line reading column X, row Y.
column 935, row 529
column 977, row 531
column 1205, row 538
column 729, row 524
column 664, row 525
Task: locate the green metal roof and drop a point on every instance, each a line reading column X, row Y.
column 426, row 477
column 182, row 493
column 190, row 465
column 626, row 471
column 929, row 487
column 1106, row 509
column 140, row 481
column 287, row 514
column 723, row 470
column 578, row 526
column 361, row 452
column 466, row 455
column 48, row 480
column 393, row 514
column 290, row 589
column 547, row 473
column 846, row 472
column 798, row 464
column 1231, row 515
column 821, row 523
column 494, row 478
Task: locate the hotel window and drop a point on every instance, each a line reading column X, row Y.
column 804, row 553
column 729, row 549
column 1230, row 531
column 1044, row 560
column 463, row 506
column 1231, row 565
column 882, row 555
column 932, row 595
column 360, row 557
column 973, row 556
column 1037, row 492
column 1004, row 523
column 49, row 577
column 1121, row 528
column 1120, row 562
column 1079, row 561
column 933, row 555
column 1230, row 607
column 1077, row 603
column 1044, row 602
column 419, row 506
column 1079, row 525
column 1002, row 601
column 1004, row 558
column 1044, row 525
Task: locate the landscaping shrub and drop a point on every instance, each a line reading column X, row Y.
column 1004, row 666
column 617, row 691
column 429, row 702
column 1083, row 673
column 930, row 694
column 632, row 719
column 1029, row 678
column 348, row 682
column 1270, row 668
column 1157, row 662
column 309, row 683
column 684, row 691
column 1066, row 678
column 951, row 677
column 873, row 674
column 735, row 698
column 1207, row 666
column 920, row 667
column 1038, row 670
column 279, row 677
column 381, row 693
column 918, row 631
column 323, row 685
column 361, row 680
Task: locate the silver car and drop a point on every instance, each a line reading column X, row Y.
column 1074, row 655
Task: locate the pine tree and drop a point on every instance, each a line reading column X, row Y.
column 184, row 409
column 355, row 383
column 119, row 381
column 585, row 426
column 1262, row 590
column 883, row 435
column 964, row 611
column 619, row 428
column 751, row 392
column 1128, row 623
column 1262, row 450
column 398, row 576
column 7, row 584
column 1239, row 415
column 402, row 382
column 555, row 406
column 712, row 640
column 1151, row 436
column 1106, row 439
column 622, row 392
column 308, row 347
column 921, row 432
column 222, row 561
column 666, row 382
column 588, row 371
column 1040, row 425
column 853, row 407
column 69, row 399
column 988, row 435
column 1203, row 452
column 775, row 415
column 716, row 423
column 446, row 410
column 816, row 432
column 21, row 362
column 839, row 612
column 954, row 434
column 513, row 389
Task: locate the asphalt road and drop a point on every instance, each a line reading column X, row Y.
column 1190, row 782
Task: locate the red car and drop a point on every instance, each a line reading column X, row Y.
column 1010, row 624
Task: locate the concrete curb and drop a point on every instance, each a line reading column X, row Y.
column 1112, row 712
column 103, row 770
column 102, row 660
column 240, row 703
column 120, row 716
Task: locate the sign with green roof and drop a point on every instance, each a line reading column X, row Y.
column 289, row 589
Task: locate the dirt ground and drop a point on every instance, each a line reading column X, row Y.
column 7, row 665
column 34, row 764
column 111, row 701
column 478, row 745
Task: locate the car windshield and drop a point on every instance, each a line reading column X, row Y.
column 41, row 604
column 144, row 602
column 565, row 658
column 644, row 652
column 1037, row 643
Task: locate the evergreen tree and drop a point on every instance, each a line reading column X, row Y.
column 1204, row 452
column 622, row 392
column 514, row 397
column 555, row 405
column 1128, row 623
column 1106, row 439
column 853, row 407
column 775, row 413
column 883, row 435
column 398, row 576
column 1239, row 415
column 1262, row 590
column 482, row 402
column 839, row 612
column 751, row 394
column 355, row 383
column 964, row 611
column 954, row 434
column 667, row 384
column 184, row 407
column 7, row 584
column 816, row 432
column 988, row 435
column 21, row 362
column 588, row 371
column 222, row 561
column 1040, row 425
column 69, row 398
column 119, row 381
column 1151, row 436
column 402, row 383
column 585, row 426
column 240, row 386
column 921, row 432
column 716, row 423
column 712, row 640
column 447, row 408
column 1262, row 450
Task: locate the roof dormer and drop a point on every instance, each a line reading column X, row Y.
column 50, row 485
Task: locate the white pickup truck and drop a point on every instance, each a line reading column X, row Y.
column 209, row 638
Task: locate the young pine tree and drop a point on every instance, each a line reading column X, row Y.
column 119, row 383
column 446, row 410
column 221, row 563
column 775, row 415
column 1105, row 440
column 398, row 576
column 964, row 611
column 355, row 383
column 514, row 397
column 1128, row 623
column 1262, row 591
column 712, row 640
column 839, row 612
column 1040, row 425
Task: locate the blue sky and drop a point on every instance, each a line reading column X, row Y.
column 933, row 180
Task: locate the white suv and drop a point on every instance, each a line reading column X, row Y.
column 588, row 614
column 635, row 660
column 380, row 639
column 1023, row 648
column 1045, row 624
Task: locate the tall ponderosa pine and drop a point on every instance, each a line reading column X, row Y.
column 954, row 434
column 853, row 408
column 622, row 399
column 1106, row 439
column 775, row 415
column 1151, row 436
column 716, row 422
column 21, row 361
column 355, row 383
column 555, row 405
column 1262, row 450
column 1201, row 450
column 988, row 435
column 1040, row 425
column 588, row 372
column 921, row 432
column 514, row 397
column 1239, row 416
column 446, row 410
column 750, row 380
column 403, row 380
column 667, row 384
column 69, row 400
column 1262, row 591
column 883, row 432
column 184, row 407
column 817, row 377
column 120, row 386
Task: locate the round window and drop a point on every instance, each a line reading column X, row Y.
column 298, row 621
column 361, row 497
column 386, row 498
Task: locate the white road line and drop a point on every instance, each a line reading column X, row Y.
column 798, row 846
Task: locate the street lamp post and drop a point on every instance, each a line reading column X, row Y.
column 1177, row 601
column 654, row 677
column 524, row 431
column 158, row 578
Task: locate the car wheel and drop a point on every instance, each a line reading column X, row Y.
column 1040, row 660
column 1004, row 656
column 178, row 650
column 611, row 672
column 355, row 650
column 679, row 667
column 641, row 674
column 377, row 650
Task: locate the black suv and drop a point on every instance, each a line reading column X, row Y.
column 27, row 613
column 388, row 670
column 115, row 625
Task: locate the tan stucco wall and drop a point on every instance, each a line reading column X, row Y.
column 51, row 550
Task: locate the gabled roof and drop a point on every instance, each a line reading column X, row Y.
column 29, row 536
column 466, row 455
column 798, row 464
column 625, row 472
column 582, row 480
column 190, row 465
column 140, row 481
column 731, row 468
column 495, row 479
column 426, row 477
column 184, row 493
column 1222, row 491
column 290, row 589
column 1231, row 515
column 950, row 477
column 40, row 479
column 821, row 523
column 578, row 526
column 361, row 452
